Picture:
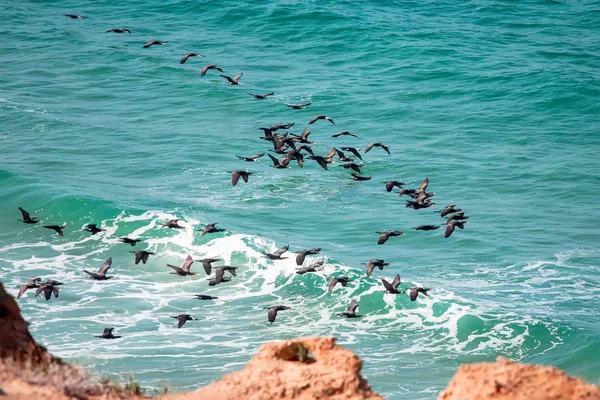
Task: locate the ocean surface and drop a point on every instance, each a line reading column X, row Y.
column 496, row 102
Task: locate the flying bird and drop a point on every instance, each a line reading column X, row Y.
column 303, row 253
column 278, row 254
column 235, row 80
column 392, row 287
column 172, row 224
column 320, row 160
column 31, row 284
column 452, row 225
column 456, row 217
column 107, row 334
column 414, row 292
column 377, row 144
column 131, row 242
column 153, row 42
column 213, row 282
column 427, row 227
column 235, row 176
column 93, row 229
column 184, row 270
column 342, row 280
column 219, row 271
column 56, row 228
column 389, row 185
column 183, row 318
column 344, row 133
column 262, row 96
column 360, row 178
column 352, row 166
column 205, row 297
column 210, row 228
column 49, row 289
column 384, row 236
column 272, row 314
column 101, row 275
column 351, row 311
column 253, row 158
column 353, row 150
column 73, row 16
column 207, row 67
column 207, row 264
column 28, row 219
column 141, row 255
column 449, row 210
column 119, row 30
column 185, row 57
column 318, row 117
column 375, row 263
column 298, row 106
column 314, row 267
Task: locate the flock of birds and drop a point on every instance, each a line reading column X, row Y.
column 291, row 147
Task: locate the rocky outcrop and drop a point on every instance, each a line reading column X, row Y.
column 508, row 380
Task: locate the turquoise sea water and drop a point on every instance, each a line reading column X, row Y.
column 495, row 102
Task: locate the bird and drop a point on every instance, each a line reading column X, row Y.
column 353, row 150
column 456, row 217
column 298, row 106
column 205, row 297
column 308, row 149
column 184, row 270
column 286, row 125
column 52, row 282
column 235, row 176
column 314, row 267
column 409, row 192
column 272, row 314
column 219, row 271
column 318, row 117
column 371, row 264
column 303, row 137
column 277, row 163
column 49, row 289
column 119, row 30
column 377, row 144
column 107, row 334
column 389, row 185
column 253, row 158
column 352, row 166
column 101, row 275
column 345, row 133
column 392, row 287
column 213, row 282
column 210, row 228
column 351, row 311
column 277, row 255
column 303, row 253
column 235, row 80
column 449, row 209
column 207, row 67
column 427, row 227
column 183, row 318
column 73, row 16
column 172, row 224
column 452, row 225
column 360, row 178
column 93, row 229
column 31, row 284
column 28, row 219
column 414, row 292
column 384, row 236
column 152, row 42
column 57, row 228
column 141, row 255
column 262, row 96
column 342, row 280
column 185, row 57
column 129, row 241
column 320, row 160
column 207, row 264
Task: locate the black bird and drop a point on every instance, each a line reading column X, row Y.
column 320, row 160
column 129, row 241
column 392, row 287
column 427, row 227
column 303, row 138
column 27, row 218
column 343, row 157
column 277, row 255
column 219, row 271
column 308, row 149
column 414, row 292
column 152, row 42
column 318, row 117
column 31, row 284
column 286, row 125
column 371, row 264
column 377, row 144
column 183, row 318
column 298, row 106
column 207, row 264
column 345, row 133
column 73, row 16
column 93, row 229
column 119, row 30
column 262, row 96
column 185, row 57
column 409, row 192
column 384, row 236
column 449, row 209
column 353, row 150
column 314, row 267
column 389, row 185
column 101, row 275
column 172, row 224
column 303, row 253
column 213, row 282
column 452, row 225
column 235, row 80
column 342, row 280
column 56, row 228
column 184, row 270
column 235, row 176
column 252, row 158
column 353, row 166
column 456, row 217
column 360, row 178
column 277, row 163
column 107, row 334
column 351, row 311
column 52, row 282
column 417, row 205
column 206, row 68
column 205, row 297
column 273, row 311
column 210, row 228
column 141, row 255
column 49, row 289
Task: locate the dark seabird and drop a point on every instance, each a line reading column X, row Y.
column 93, row 229
column 427, row 227
column 320, row 160
column 207, row 264
column 414, row 292
column 384, row 236
column 371, row 264
column 277, row 255
column 277, row 163
column 406, row 191
column 235, row 176
column 360, row 178
column 27, row 218
column 213, row 282
column 252, row 158
column 48, row 289
column 184, row 270
column 185, row 57
column 452, row 225
column 206, row 68
column 73, row 16
column 342, row 280
column 303, row 253
column 351, row 311
column 205, row 297
column 172, row 224
column 343, row 157
column 456, row 217
column 153, row 42
column 298, row 106
column 129, row 241
column 318, row 117
column 101, row 275
column 273, row 311
column 52, row 282
column 107, row 334
column 141, row 255
column 389, row 185
column 417, row 205
column 449, row 209
column 377, row 144
column 352, row 166
column 353, row 150
column 314, row 267
column 235, row 80
column 308, row 149
column 345, row 133
column 210, row 228
column 183, row 318
column 219, row 271
column 392, row 287
column 303, row 138
column 119, row 30
column 286, row 125
column 56, row 228
column 31, row 284
column 262, row 96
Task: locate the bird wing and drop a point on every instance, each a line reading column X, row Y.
column 315, row 119
column 332, row 283
column 259, row 155
column 138, row 257
column 449, row 230
column 383, row 238
column 204, row 69
column 92, row 274
column 413, row 294
column 148, row 44
column 207, row 267
column 181, row 320
column 300, row 258
column 245, row 177
column 187, row 264
column 228, row 78
column 145, row 256
column 282, row 250
column 396, row 282
column 305, row 134
column 387, row 285
column 22, row 289
column 232, row 271
column 370, row 268
column 24, row 213
column 275, row 160
column 38, row 291
column 105, row 267
column 423, row 186
column 353, row 306
column 48, row 292
column 272, row 314
column 386, row 148
column 389, row 186
column 321, row 161
column 369, row 147
column 179, row 270
column 331, row 153
column 107, row 331
column 336, row 134
column 237, row 78
column 219, row 275
column 235, row 177
column 184, row 58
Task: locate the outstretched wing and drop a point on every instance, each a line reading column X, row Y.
column 219, row 275
column 388, row 286
column 332, row 283
column 237, row 78
column 207, row 267
column 22, row 290
column 396, row 282
column 369, row 147
column 187, row 264
column 24, row 213
column 423, row 186
column 228, row 78
column 272, row 314
column 300, row 258
column 138, row 257
column 370, row 268
column 383, row 238
column 413, row 294
column 449, row 230
column 177, row 269
column 353, row 306
column 235, row 177
column 105, row 267
column 322, row 163
column 282, row 250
